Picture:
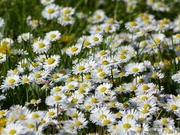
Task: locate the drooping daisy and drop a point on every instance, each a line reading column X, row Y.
column 53, row 35
column 41, row 46
column 51, row 11
column 51, row 62
column 10, row 82
column 24, row 37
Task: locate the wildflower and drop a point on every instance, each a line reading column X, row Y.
column 96, row 29
column 98, row 16
column 74, row 50
column 13, row 129
column 53, row 35
column 95, row 39
column 126, row 126
column 41, row 46
column 176, row 77
column 25, row 79
column 2, row 57
column 36, row 116
column 80, row 68
column 51, row 11
column 80, row 122
column 67, row 11
column 104, row 88
column 1, row 22
column 55, row 99
column 46, row 2
column 24, row 37
column 51, row 62
column 65, row 20
column 10, row 82
column 134, row 68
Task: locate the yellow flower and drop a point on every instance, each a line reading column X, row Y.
column 2, row 123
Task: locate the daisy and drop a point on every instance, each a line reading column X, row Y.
column 51, row 62
column 6, row 42
column 75, row 99
column 53, row 35
column 1, row 22
column 134, row 68
column 52, row 113
column 65, row 20
column 98, row 16
column 46, row 2
column 176, row 77
column 81, row 15
column 95, row 39
column 126, row 126
column 25, row 79
column 51, row 11
column 85, row 41
column 80, row 122
column 2, row 57
column 108, row 28
column 41, row 46
column 67, row 11
column 14, row 129
column 39, row 76
column 96, row 29
column 104, row 88
column 80, row 68
column 10, row 82
column 36, row 116
column 32, row 22
column 24, row 37
column 55, row 99
column 131, row 26
column 74, row 50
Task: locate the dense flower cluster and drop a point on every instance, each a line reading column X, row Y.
column 111, row 80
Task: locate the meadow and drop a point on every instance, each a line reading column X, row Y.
column 89, row 67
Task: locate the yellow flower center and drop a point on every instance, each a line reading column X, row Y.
column 50, row 11
column 94, row 100
column 75, row 115
column 51, row 113
column 70, row 86
column 135, row 69
column 78, row 123
column 102, row 89
column 133, row 87
column 57, row 98
column 164, row 121
column 141, row 119
column 102, row 74
column 35, row 115
column 50, row 61
column 146, row 106
column 88, row 107
column 122, row 57
column 12, row 132
column 38, row 75
column 106, row 122
column 95, row 38
column 57, row 89
column 74, row 49
column 157, row 40
column 102, row 53
column 25, row 80
column 33, row 101
column 129, row 116
column 108, row 27
column 81, row 90
column 22, row 117
column 144, row 111
column 145, row 87
column 66, row 18
column 173, row 107
column 120, row 88
column 74, row 100
column 52, row 35
column 80, row 68
column 102, row 116
column 66, row 11
column 30, row 125
column 105, row 62
column 123, row 51
column 133, row 24
column 126, row 126
column 41, row 45
column 11, row 81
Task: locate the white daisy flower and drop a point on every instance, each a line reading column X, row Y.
column 65, row 20
column 41, row 46
column 51, row 11
column 95, row 39
column 47, row 2
column 67, row 11
column 10, row 82
column 74, row 50
column 51, row 62
column 24, row 37
column 2, row 58
column 53, row 35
